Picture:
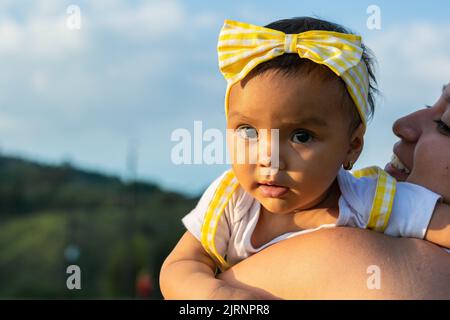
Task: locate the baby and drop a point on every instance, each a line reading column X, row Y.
column 310, row 83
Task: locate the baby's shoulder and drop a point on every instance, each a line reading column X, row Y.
column 358, row 190
column 242, row 202
column 226, row 188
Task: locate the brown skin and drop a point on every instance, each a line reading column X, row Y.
column 332, row 264
column 423, row 142
column 308, row 167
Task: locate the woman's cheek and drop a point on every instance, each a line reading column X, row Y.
column 431, row 169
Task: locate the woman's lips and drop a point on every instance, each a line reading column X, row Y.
column 271, row 191
column 396, row 173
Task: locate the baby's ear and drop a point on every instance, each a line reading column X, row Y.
column 357, row 142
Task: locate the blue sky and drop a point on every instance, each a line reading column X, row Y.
column 138, row 70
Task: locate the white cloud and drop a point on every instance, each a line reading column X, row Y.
column 8, row 123
column 10, row 35
column 126, row 73
column 39, row 82
column 414, row 62
column 150, row 20
column 42, row 31
column 40, row 37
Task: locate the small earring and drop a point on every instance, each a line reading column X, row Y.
column 349, row 166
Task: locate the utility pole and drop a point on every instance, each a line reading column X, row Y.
column 130, row 217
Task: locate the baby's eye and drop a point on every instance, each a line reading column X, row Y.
column 442, row 127
column 301, row 137
column 247, row 132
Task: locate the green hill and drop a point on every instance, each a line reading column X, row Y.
column 118, row 230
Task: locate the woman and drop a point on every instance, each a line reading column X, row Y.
column 351, row 263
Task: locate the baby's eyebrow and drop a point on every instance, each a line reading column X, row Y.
column 313, row 121
column 238, row 114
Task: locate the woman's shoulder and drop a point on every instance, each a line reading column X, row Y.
column 342, row 260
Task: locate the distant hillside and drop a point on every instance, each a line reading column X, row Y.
column 120, row 230
column 26, row 186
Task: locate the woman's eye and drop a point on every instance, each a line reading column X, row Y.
column 247, row 132
column 442, row 127
column 301, row 137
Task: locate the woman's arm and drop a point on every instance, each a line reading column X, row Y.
column 343, row 263
column 439, row 229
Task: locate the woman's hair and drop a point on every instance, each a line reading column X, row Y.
column 291, row 63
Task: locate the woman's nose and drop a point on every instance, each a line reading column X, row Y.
column 406, row 128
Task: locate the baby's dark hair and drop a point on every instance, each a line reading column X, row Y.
column 291, row 63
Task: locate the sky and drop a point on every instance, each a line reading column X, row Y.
column 136, row 71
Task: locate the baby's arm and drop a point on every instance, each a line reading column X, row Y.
column 189, row 273
column 416, row 212
column 439, row 228
column 419, row 213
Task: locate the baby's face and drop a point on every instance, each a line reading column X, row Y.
column 314, row 137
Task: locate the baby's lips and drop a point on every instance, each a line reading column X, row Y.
column 273, row 191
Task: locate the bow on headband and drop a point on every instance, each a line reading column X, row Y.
column 243, row 46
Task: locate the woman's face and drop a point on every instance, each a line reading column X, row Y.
column 424, row 147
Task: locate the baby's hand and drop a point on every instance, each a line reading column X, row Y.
column 227, row 292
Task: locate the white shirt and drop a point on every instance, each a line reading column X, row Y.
column 411, row 213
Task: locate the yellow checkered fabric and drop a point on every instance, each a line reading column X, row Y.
column 243, row 46
column 378, row 220
column 383, row 199
column 223, row 193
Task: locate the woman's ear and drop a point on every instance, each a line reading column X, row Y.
column 356, row 143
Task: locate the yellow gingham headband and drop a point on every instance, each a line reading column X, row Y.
column 243, row 46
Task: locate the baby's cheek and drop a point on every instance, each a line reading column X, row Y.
column 244, row 173
column 315, row 175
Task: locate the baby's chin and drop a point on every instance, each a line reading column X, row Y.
column 277, row 205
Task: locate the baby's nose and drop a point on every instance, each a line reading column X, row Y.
column 265, row 160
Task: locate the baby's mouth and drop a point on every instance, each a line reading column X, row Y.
column 272, row 191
